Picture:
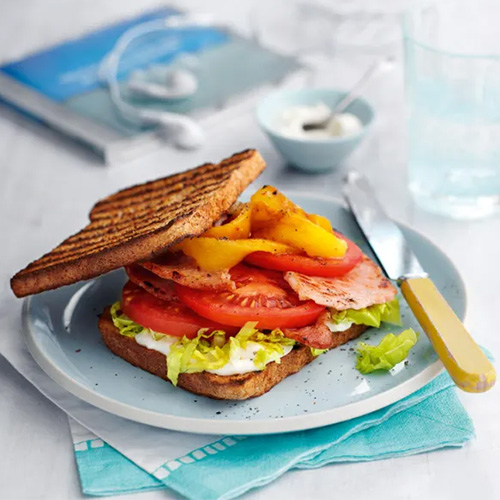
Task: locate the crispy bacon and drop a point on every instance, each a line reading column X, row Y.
column 159, row 287
column 361, row 287
column 183, row 270
column 317, row 335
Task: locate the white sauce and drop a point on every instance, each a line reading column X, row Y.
column 240, row 362
column 292, row 120
column 338, row 327
column 163, row 345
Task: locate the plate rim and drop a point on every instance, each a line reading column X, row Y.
column 238, row 427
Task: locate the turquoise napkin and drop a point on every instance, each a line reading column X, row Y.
column 427, row 420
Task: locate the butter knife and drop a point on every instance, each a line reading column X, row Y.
column 466, row 363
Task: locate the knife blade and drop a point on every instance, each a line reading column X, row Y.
column 466, row 363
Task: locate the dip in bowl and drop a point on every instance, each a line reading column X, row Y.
column 282, row 114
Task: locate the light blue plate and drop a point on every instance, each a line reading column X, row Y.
column 62, row 335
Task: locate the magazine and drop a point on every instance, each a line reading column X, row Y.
column 62, row 87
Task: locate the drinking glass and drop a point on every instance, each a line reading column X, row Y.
column 452, row 75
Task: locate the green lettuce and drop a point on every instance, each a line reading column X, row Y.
column 391, row 350
column 211, row 351
column 125, row 325
column 371, row 316
column 317, row 352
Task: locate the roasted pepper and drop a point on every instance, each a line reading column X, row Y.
column 235, row 229
column 301, row 233
column 213, row 254
column 321, row 221
column 268, row 205
column 277, row 218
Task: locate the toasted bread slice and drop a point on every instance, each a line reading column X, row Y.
column 140, row 222
column 243, row 386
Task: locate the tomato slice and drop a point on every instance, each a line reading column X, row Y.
column 260, row 295
column 312, row 266
column 169, row 317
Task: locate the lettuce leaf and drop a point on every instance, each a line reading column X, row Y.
column 391, row 350
column 207, row 352
column 127, row 327
column 371, row 316
column 317, row 352
column 197, row 355
column 210, row 351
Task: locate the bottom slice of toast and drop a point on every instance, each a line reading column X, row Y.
column 237, row 387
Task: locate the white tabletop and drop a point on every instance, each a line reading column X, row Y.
column 48, row 185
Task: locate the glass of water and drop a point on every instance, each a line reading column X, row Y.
column 452, row 74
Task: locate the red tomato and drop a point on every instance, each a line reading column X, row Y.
column 260, row 295
column 312, row 266
column 172, row 318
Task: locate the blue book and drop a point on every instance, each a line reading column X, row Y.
column 61, row 86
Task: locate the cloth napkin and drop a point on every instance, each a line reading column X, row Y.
column 115, row 455
column 430, row 419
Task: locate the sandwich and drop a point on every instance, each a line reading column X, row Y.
column 223, row 299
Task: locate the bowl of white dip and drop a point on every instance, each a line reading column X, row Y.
column 283, row 114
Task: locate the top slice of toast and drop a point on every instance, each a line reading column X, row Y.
column 140, row 222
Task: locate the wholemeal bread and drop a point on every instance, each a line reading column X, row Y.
column 242, row 386
column 140, row 222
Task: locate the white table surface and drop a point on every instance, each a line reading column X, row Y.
column 47, row 187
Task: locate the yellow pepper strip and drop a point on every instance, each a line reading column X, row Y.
column 277, row 218
column 236, row 229
column 268, row 204
column 295, row 230
column 320, row 221
column 213, row 254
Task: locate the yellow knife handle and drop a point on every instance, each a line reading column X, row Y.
column 466, row 363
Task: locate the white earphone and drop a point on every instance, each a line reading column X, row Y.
column 179, row 84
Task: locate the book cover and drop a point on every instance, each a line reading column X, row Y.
column 61, row 86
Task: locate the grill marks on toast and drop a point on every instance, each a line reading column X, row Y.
column 140, row 222
column 90, row 239
column 136, row 205
column 117, row 225
column 137, row 195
